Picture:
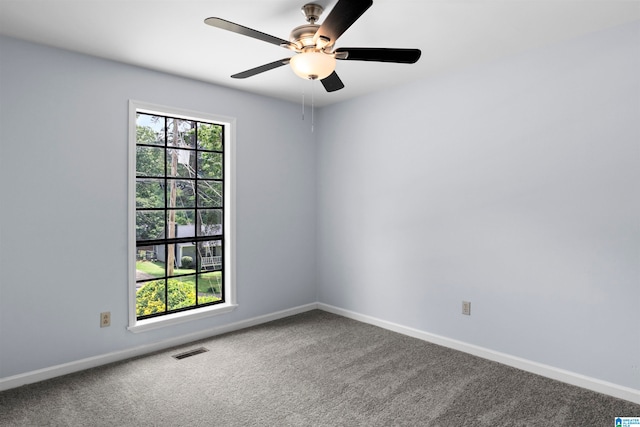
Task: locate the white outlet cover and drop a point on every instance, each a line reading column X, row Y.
column 466, row 308
column 105, row 319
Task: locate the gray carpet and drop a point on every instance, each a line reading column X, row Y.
column 313, row 369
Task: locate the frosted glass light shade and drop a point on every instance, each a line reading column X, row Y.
column 313, row 65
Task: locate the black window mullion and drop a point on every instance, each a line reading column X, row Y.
column 166, row 215
column 223, row 249
column 196, row 195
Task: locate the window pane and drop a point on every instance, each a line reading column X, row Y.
column 149, row 225
column 149, row 193
column 150, row 298
column 149, row 161
column 211, row 222
column 181, row 132
column 184, row 194
column 148, row 262
column 210, row 165
column 180, row 163
column 210, row 253
column 209, row 287
column 183, row 223
column 209, row 137
column 209, row 194
column 149, row 129
column 186, row 258
column 182, row 292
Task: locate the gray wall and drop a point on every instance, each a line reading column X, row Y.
column 63, row 222
column 514, row 185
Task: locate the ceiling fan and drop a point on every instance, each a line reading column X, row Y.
column 314, row 44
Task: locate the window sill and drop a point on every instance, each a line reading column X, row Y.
column 184, row 316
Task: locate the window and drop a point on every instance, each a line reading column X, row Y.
column 181, row 215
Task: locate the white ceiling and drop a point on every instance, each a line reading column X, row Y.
column 169, row 35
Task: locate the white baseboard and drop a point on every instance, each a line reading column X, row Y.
column 103, row 359
column 568, row 377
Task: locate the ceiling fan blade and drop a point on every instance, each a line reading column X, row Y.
column 332, row 83
column 343, row 14
column 245, row 31
column 403, row 56
column 261, row 69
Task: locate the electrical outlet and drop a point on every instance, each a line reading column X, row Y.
column 105, row 319
column 466, row 308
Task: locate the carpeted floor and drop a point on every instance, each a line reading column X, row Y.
column 313, row 369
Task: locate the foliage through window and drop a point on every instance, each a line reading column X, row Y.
column 179, row 213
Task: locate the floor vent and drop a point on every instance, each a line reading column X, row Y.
column 190, row 353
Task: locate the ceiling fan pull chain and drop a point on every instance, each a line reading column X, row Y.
column 312, row 105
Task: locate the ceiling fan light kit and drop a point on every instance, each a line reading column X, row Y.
column 313, row 44
column 313, row 65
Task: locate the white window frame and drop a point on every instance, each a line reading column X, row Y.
column 136, row 325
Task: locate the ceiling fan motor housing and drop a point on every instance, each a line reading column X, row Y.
column 303, row 36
